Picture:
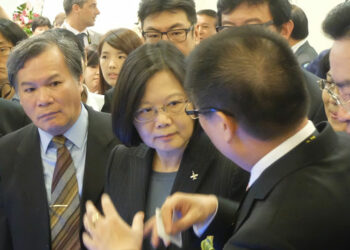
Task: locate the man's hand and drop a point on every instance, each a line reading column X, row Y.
column 110, row 231
column 194, row 208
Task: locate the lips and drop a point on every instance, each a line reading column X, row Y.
column 165, row 137
column 113, row 75
column 48, row 115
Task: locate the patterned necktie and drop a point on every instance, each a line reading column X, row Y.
column 65, row 203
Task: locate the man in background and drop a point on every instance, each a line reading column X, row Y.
column 81, row 14
column 304, row 52
column 40, row 24
column 206, row 24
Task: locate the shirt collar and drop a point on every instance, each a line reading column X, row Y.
column 296, row 46
column 74, row 134
column 70, row 28
column 280, row 151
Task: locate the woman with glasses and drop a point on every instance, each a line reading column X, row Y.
column 10, row 35
column 166, row 150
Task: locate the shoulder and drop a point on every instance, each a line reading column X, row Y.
column 122, row 152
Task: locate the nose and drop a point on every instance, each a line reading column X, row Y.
column 162, row 118
column 112, row 64
column 164, row 37
column 43, row 97
column 343, row 114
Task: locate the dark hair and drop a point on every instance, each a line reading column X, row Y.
column 337, row 22
column 280, row 9
column 68, row 5
column 34, row 46
column 149, row 7
column 122, row 39
column 137, row 69
column 265, row 92
column 11, row 31
column 92, row 55
column 301, row 25
column 207, row 12
column 41, row 21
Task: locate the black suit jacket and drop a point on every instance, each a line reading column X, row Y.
column 24, row 212
column 12, row 117
column 299, row 202
column 305, row 54
column 129, row 171
column 107, row 106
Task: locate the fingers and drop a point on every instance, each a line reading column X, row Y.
column 88, row 242
column 167, row 214
column 149, row 226
column 108, row 207
column 91, row 217
column 137, row 223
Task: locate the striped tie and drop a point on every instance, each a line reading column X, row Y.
column 65, row 203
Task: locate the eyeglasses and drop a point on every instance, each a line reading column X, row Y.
column 147, row 114
column 194, row 113
column 221, row 28
column 177, row 35
column 342, row 99
column 5, row 51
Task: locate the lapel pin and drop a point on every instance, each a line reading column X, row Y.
column 194, row 176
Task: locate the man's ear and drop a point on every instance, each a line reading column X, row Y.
column 228, row 124
column 287, row 29
column 75, row 7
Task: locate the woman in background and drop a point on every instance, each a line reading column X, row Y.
column 166, row 151
column 92, row 72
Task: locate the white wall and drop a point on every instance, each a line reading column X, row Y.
column 123, row 13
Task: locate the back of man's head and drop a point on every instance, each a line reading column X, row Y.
column 34, row 46
column 280, row 9
column 301, row 25
column 149, row 7
column 337, row 22
column 252, row 74
column 68, row 5
column 207, row 12
column 41, row 21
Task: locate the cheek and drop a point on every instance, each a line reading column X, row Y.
column 145, row 132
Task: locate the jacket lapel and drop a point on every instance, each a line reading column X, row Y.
column 300, row 157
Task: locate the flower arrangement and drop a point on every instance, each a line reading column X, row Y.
column 24, row 16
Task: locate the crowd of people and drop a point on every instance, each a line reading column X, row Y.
column 208, row 130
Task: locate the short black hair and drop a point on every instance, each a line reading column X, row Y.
column 11, row 31
column 337, row 22
column 149, row 7
column 92, row 55
column 207, row 12
column 265, row 92
column 280, row 9
column 301, row 24
column 36, row 45
column 68, row 5
column 41, row 21
column 138, row 68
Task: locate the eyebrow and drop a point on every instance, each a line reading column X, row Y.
column 47, row 80
column 169, row 96
column 176, row 25
column 255, row 19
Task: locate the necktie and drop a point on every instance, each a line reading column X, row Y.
column 81, row 39
column 65, row 203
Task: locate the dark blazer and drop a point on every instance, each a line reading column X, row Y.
column 316, row 111
column 129, row 170
column 24, row 212
column 107, row 106
column 299, row 202
column 305, row 54
column 12, row 117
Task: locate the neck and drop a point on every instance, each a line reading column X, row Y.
column 167, row 161
column 254, row 149
column 292, row 41
column 75, row 23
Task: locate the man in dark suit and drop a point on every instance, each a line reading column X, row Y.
column 274, row 15
column 12, row 117
column 302, row 49
column 253, row 106
column 49, row 92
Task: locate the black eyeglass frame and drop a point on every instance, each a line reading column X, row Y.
column 166, row 33
column 194, row 113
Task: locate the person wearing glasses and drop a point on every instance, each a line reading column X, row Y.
column 276, row 16
column 165, row 150
column 171, row 20
column 10, row 35
column 336, row 88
